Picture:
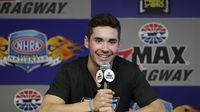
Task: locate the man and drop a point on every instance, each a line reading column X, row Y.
column 75, row 88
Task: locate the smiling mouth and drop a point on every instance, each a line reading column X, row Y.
column 102, row 55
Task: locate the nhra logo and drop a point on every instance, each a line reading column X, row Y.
column 153, row 6
column 28, row 100
column 27, row 45
column 29, row 49
column 153, row 33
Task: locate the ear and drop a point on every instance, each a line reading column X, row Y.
column 119, row 45
column 86, row 42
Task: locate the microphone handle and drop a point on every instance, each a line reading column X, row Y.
column 105, row 85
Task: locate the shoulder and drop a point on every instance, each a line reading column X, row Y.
column 127, row 69
column 125, row 64
column 77, row 63
column 73, row 67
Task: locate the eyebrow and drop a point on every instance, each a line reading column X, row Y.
column 112, row 39
column 97, row 38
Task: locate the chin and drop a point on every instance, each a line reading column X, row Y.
column 100, row 60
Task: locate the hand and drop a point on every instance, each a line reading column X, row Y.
column 103, row 100
column 106, row 109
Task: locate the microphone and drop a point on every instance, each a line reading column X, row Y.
column 105, row 75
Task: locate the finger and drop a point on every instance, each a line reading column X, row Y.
column 105, row 96
column 107, row 91
column 106, row 100
column 106, row 109
column 107, row 104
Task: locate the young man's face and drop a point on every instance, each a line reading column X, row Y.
column 103, row 45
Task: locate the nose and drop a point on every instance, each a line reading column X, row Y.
column 105, row 47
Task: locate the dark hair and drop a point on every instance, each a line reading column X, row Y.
column 104, row 19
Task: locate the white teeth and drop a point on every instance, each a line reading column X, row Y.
column 104, row 56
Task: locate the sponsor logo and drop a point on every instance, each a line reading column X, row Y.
column 99, row 76
column 31, row 7
column 109, row 75
column 28, row 100
column 160, row 55
column 168, row 74
column 155, row 54
column 1, row 1
column 29, row 49
column 146, row 57
column 154, row 6
column 153, row 33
